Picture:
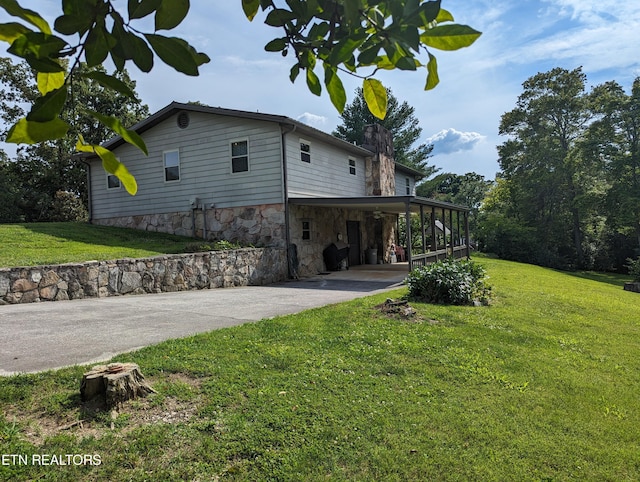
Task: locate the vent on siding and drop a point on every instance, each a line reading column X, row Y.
column 183, row 120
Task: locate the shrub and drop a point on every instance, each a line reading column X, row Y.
column 67, row 206
column 215, row 246
column 450, row 281
column 634, row 268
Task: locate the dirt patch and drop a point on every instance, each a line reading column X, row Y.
column 93, row 419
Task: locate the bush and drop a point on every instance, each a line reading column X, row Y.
column 215, row 246
column 634, row 269
column 68, row 206
column 450, row 281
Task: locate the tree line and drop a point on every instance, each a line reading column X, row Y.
column 568, row 193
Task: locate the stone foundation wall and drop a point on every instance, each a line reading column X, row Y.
column 215, row 269
column 261, row 225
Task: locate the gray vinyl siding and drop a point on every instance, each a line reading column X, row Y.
column 205, row 168
column 401, row 184
column 327, row 175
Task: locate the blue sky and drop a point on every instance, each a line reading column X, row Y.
column 478, row 84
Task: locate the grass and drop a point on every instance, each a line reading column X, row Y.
column 35, row 244
column 541, row 385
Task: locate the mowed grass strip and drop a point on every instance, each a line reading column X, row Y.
column 35, row 244
column 541, row 385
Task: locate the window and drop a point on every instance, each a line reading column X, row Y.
column 352, row 167
column 240, row 156
column 305, row 151
column 408, row 185
column 171, row 165
column 306, row 230
column 113, row 182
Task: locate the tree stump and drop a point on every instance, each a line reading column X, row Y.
column 115, row 383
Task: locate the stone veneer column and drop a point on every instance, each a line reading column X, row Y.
column 380, row 168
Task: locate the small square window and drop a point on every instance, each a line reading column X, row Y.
column 239, row 156
column 306, row 230
column 113, row 182
column 352, row 167
column 305, row 151
column 171, row 165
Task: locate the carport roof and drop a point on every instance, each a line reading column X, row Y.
column 386, row 204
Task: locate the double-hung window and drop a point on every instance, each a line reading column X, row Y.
column 352, row 167
column 305, row 151
column 171, row 165
column 239, row 156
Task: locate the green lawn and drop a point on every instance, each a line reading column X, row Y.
column 541, row 385
column 54, row 243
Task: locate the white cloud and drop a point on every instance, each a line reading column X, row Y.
column 313, row 120
column 448, row 141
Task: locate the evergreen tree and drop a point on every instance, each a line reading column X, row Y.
column 400, row 121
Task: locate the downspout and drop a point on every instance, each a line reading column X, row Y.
column 285, row 196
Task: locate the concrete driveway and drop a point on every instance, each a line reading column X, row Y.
column 43, row 336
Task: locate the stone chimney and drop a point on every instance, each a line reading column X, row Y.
column 380, row 168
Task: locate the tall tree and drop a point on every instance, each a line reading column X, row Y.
column 543, row 161
column 615, row 138
column 400, row 121
column 334, row 35
column 43, row 169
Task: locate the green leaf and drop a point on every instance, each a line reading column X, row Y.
column 13, row 8
column 279, row 17
column 444, row 16
column 110, row 164
column 44, row 65
column 432, row 73
column 31, row 132
column 110, row 82
column 335, row 88
column 11, row 31
column 250, row 8
column 429, row 11
column 276, row 45
column 449, row 37
column 48, row 107
column 174, row 52
column 48, row 81
column 375, row 95
column 116, row 126
column 313, row 82
column 71, row 24
column 171, row 13
column 37, row 45
column 132, row 47
column 97, row 46
column 343, row 50
column 294, row 72
column 142, row 8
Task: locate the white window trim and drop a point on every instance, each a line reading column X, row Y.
column 353, row 166
column 164, row 166
column 239, row 173
column 304, row 141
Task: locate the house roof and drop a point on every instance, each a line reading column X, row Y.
column 386, row 204
column 292, row 124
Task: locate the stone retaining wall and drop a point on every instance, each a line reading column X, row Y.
column 97, row 279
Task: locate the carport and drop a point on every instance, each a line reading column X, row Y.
column 442, row 228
